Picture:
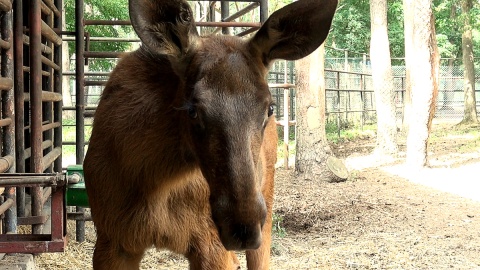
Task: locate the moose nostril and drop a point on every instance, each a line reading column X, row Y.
column 249, row 236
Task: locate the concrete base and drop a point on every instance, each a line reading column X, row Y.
column 17, row 261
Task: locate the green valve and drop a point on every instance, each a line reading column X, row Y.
column 76, row 193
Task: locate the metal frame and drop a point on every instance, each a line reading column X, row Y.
column 31, row 116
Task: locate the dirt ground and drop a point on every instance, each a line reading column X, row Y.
column 383, row 217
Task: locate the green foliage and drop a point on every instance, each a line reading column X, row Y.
column 351, row 28
column 277, row 229
column 101, row 10
column 348, row 133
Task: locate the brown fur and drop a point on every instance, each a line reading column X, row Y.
column 183, row 148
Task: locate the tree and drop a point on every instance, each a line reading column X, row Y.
column 312, row 146
column 424, row 81
column 382, row 80
column 470, row 105
column 408, row 28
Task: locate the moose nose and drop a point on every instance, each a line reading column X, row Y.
column 241, row 237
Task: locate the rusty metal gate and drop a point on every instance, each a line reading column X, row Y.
column 31, row 121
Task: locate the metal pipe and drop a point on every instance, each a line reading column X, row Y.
column 4, row 44
column 18, row 38
column 263, row 10
column 52, row 6
column 51, row 157
column 32, row 179
column 102, row 54
column 27, row 153
column 6, row 163
column 6, row 83
column 48, row 32
column 36, row 105
column 225, row 9
column 50, row 63
column 6, row 205
column 45, row 48
column 46, row 96
column 44, row 73
column 5, row 5
column 9, row 113
column 57, row 82
column 80, row 99
column 5, row 122
column 241, row 12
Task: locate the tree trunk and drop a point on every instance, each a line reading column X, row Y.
column 312, row 146
column 408, row 29
column 424, row 82
column 470, row 106
column 382, row 80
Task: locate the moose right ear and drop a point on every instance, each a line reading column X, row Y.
column 295, row 30
column 164, row 26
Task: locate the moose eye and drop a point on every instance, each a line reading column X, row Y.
column 192, row 112
column 270, row 110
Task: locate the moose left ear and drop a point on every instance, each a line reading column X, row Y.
column 295, row 30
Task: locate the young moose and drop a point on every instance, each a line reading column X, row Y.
column 183, row 145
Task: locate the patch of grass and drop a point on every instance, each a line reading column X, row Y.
column 348, row 133
column 277, row 229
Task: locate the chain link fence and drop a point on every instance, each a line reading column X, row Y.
column 350, row 99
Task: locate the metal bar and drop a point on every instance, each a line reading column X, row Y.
column 52, row 6
column 45, row 10
column 9, row 113
column 48, row 32
column 5, row 122
column 79, row 216
column 31, row 245
column 4, row 44
column 27, row 153
column 347, row 72
column 106, row 39
column 6, row 205
column 44, row 73
column 6, row 163
column 57, row 83
column 241, row 12
column 36, row 105
column 50, row 63
column 51, row 126
column 33, row 220
column 80, row 99
column 49, row 158
column 46, row 97
column 107, row 22
column 263, row 10
column 32, row 179
column 102, row 54
column 281, row 85
column 6, row 83
column 95, row 83
column 18, row 38
column 228, row 24
column 46, row 194
column 58, row 216
column 225, row 12
column 45, row 48
column 72, row 73
column 5, row 5
column 248, row 31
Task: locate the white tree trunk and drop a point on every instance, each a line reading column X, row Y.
column 382, row 80
column 425, row 68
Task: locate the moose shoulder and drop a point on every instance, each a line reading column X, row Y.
column 183, row 145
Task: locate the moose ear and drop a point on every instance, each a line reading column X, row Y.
column 164, row 26
column 295, row 30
